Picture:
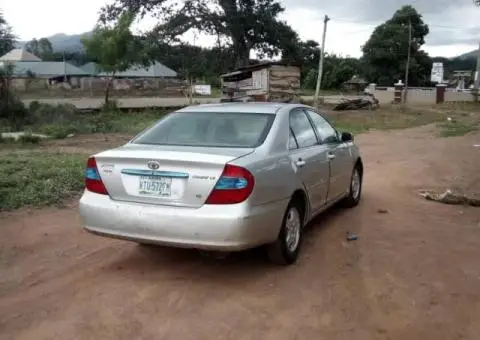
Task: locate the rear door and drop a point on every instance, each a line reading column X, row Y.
column 309, row 159
column 338, row 154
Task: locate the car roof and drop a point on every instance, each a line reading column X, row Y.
column 249, row 107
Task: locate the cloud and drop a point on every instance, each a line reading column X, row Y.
column 451, row 22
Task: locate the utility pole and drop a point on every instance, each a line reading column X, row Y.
column 477, row 74
column 320, row 62
column 408, row 61
column 64, row 69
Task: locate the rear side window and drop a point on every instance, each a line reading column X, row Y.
column 209, row 129
column 302, row 129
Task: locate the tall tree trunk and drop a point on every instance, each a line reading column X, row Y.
column 242, row 53
column 107, row 90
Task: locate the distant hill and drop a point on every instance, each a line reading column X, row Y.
column 64, row 42
column 72, row 43
column 472, row 54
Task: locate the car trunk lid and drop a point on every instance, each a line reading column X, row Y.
column 164, row 175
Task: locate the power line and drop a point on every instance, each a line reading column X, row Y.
column 352, row 21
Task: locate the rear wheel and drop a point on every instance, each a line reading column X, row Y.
column 286, row 248
column 355, row 191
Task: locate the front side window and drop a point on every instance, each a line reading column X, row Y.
column 209, row 129
column 302, row 129
column 325, row 131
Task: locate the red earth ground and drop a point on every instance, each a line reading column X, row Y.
column 414, row 272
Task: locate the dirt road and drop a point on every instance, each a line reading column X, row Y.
column 414, row 272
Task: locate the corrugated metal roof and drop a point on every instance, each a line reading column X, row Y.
column 47, row 69
column 153, row 71
column 19, row 54
column 91, row 68
column 258, row 66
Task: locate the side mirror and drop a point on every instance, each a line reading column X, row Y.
column 347, row 137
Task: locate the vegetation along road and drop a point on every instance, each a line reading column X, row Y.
column 143, row 102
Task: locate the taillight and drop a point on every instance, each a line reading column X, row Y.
column 234, row 186
column 93, row 181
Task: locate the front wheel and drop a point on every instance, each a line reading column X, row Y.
column 355, row 191
column 286, row 248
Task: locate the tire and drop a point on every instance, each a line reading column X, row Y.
column 285, row 250
column 355, row 192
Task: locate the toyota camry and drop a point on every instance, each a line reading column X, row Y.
column 223, row 177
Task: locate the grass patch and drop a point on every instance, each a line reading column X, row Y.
column 39, row 178
column 457, row 128
column 390, row 117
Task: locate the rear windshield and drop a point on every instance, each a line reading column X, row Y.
column 210, row 129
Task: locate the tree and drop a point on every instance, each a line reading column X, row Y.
column 246, row 24
column 385, row 53
column 336, row 71
column 114, row 48
column 12, row 110
column 7, row 38
column 42, row 48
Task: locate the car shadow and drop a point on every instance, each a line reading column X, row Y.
column 187, row 264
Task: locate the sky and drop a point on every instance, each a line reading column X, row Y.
column 454, row 24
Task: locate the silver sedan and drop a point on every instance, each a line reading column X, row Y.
column 223, row 177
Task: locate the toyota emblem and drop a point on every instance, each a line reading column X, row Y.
column 154, row 165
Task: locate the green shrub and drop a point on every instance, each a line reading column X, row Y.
column 34, row 106
column 52, row 114
column 29, row 139
column 6, row 140
column 12, row 110
column 57, row 131
column 110, row 106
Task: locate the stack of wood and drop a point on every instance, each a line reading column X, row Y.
column 284, row 83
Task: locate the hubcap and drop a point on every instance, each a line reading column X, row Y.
column 355, row 186
column 292, row 228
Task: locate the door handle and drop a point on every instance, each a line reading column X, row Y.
column 331, row 155
column 300, row 162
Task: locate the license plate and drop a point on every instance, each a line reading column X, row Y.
column 155, row 186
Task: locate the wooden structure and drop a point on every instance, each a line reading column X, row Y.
column 272, row 81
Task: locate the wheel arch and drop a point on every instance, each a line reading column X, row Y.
column 359, row 163
column 300, row 196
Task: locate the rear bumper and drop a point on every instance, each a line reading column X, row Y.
column 210, row 227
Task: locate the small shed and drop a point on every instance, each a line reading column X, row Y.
column 356, row 84
column 270, row 81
